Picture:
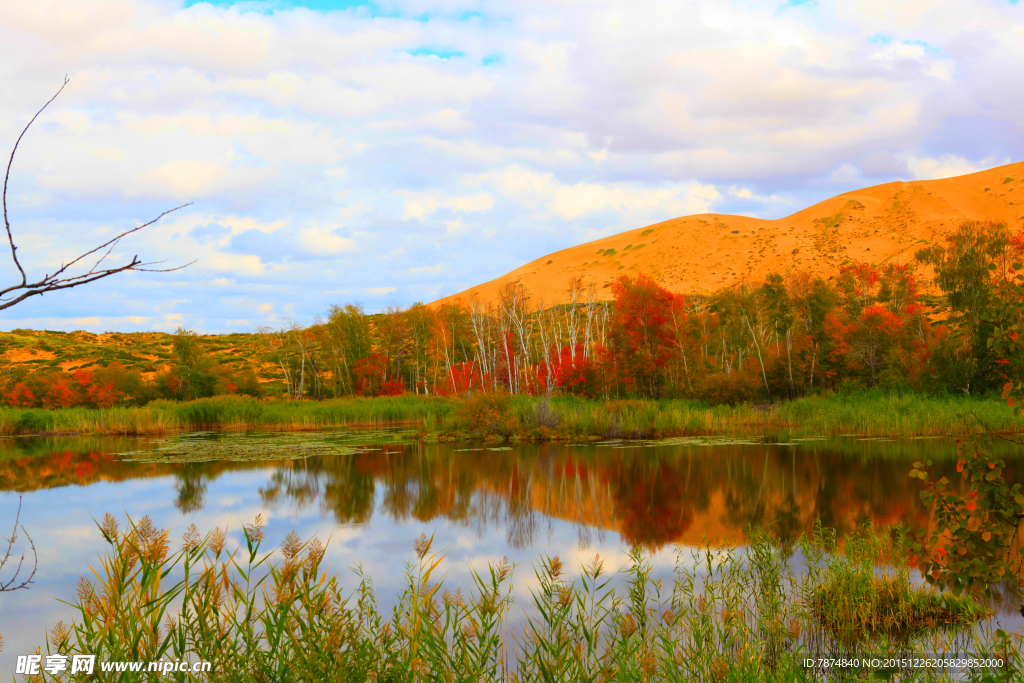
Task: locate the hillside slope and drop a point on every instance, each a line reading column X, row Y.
column 704, row 252
column 147, row 352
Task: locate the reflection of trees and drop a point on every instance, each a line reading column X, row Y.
column 650, row 501
column 349, row 491
column 522, row 522
column 786, row 522
column 191, row 486
column 650, row 496
column 298, row 485
column 743, row 494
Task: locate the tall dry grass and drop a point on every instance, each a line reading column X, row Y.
column 728, row 615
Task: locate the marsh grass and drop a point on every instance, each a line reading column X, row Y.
column 854, row 600
column 872, row 414
column 727, row 615
column 224, row 412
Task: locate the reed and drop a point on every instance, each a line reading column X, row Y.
column 866, row 414
column 729, row 615
column 530, row 417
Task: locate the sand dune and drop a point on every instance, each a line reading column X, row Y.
column 704, row 252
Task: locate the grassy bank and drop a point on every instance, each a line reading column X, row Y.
column 528, row 417
column 728, row 615
column 224, row 412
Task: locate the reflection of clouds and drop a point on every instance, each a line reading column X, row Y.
column 526, row 504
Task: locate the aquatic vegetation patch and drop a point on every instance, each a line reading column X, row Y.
column 706, row 441
column 207, row 447
column 891, row 605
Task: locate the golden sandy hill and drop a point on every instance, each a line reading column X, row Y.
column 704, row 252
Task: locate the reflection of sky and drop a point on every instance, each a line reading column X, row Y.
column 60, row 519
column 68, row 541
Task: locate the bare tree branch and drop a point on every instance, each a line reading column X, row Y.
column 7, row 224
column 60, row 279
column 13, row 584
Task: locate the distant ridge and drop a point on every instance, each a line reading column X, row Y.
column 704, row 252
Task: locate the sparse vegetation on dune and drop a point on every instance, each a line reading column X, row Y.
column 707, row 252
column 504, row 416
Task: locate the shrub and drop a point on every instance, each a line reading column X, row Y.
column 545, row 415
column 487, row 413
column 59, row 396
column 720, row 389
column 21, row 396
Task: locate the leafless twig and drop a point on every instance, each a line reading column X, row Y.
column 61, row 278
column 13, row 584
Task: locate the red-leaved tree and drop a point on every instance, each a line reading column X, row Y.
column 371, row 377
column 641, row 333
column 21, row 396
column 60, row 395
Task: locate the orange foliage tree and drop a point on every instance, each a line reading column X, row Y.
column 641, row 333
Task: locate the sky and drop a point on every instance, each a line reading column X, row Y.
column 390, row 152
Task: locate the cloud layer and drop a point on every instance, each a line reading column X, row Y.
column 404, row 150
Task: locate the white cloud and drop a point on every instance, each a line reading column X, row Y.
column 170, row 322
column 186, row 178
column 947, row 166
column 456, row 227
column 427, row 270
column 244, row 264
column 571, row 202
column 421, row 205
column 322, row 240
column 378, row 291
column 282, row 126
column 846, row 173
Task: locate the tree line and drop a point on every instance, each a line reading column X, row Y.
column 869, row 325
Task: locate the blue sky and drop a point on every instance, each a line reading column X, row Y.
column 402, row 150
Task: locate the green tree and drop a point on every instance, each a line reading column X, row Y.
column 974, row 531
column 189, row 377
column 963, row 276
column 346, row 334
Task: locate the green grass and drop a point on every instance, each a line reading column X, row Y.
column 728, row 615
column 854, row 603
column 868, row 414
column 872, row 414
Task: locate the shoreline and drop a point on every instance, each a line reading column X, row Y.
column 523, row 418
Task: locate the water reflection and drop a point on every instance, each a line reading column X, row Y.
column 570, row 500
column 651, row 496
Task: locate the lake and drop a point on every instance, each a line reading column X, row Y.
column 372, row 494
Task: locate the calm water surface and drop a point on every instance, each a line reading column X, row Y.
column 482, row 503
